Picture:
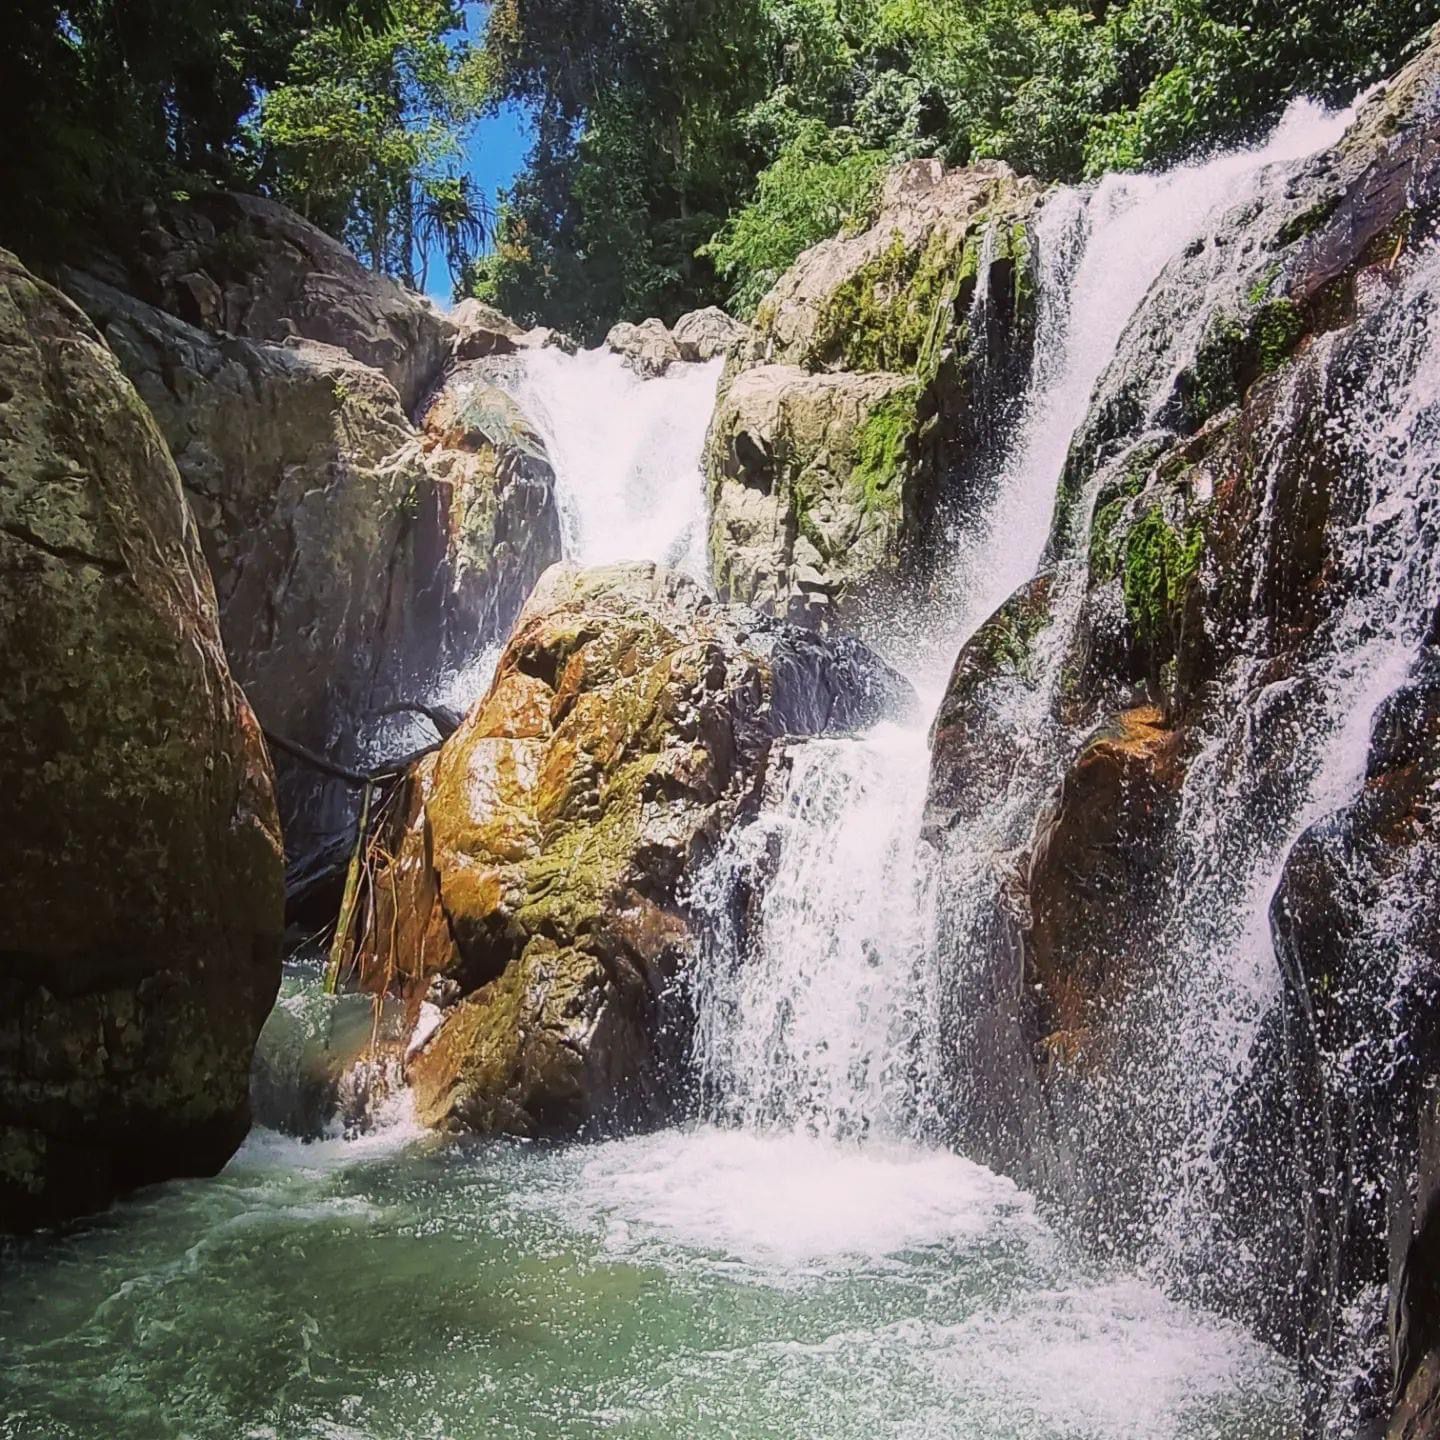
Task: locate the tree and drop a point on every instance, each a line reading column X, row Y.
column 766, row 117
column 365, row 131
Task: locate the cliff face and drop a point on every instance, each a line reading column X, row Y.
column 140, row 865
column 1202, row 998
column 368, row 535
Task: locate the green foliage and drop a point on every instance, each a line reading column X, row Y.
column 351, row 109
column 109, row 101
column 882, row 450
column 766, row 118
column 822, row 182
column 362, row 127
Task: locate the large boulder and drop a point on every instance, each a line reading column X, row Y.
column 881, row 369
column 537, row 887
column 482, row 331
column 648, row 348
column 707, row 334
column 810, row 487
column 245, row 266
column 877, row 299
column 361, row 563
column 140, row 868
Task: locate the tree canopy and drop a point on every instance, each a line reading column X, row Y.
column 352, row 110
column 686, row 152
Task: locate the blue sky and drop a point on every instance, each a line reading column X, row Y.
column 494, row 156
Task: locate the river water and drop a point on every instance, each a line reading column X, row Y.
column 704, row 1281
column 801, row 1259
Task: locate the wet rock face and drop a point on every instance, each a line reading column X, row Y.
column 972, row 742
column 1340, row 1107
column 536, row 890
column 1097, row 864
column 857, row 411
column 807, row 501
column 359, row 561
column 140, row 867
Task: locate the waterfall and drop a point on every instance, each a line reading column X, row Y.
column 626, row 452
column 1242, row 814
column 825, row 1000
column 813, row 1028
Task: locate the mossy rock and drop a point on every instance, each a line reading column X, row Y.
column 141, row 887
column 629, row 725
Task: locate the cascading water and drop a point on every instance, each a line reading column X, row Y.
column 1242, row 814
column 813, row 1027
column 626, row 452
column 795, row 1033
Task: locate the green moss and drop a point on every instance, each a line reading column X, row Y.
column 1236, row 349
column 1018, row 251
column 1307, row 222
column 1215, row 375
column 1104, row 552
column 1278, row 328
column 1160, row 563
column 1110, row 508
column 1008, row 641
column 895, row 313
column 882, row 450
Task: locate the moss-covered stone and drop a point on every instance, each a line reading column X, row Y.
column 140, row 866
column 539, row 863
column 1160, row 561
column 882, row 451
column 812, row 481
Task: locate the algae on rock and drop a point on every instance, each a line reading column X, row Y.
column 863, row 419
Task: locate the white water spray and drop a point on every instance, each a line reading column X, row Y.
column 835, row 1010
column 627, row 455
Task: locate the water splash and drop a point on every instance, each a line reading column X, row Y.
column 1244, row 808
column 807, row 1002
column 826, row 1002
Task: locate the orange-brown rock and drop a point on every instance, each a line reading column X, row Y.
column 1097, row 860
column 536, row 889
